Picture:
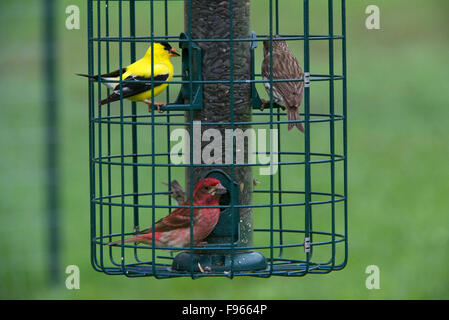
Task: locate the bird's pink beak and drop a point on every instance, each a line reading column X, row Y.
column 218, row 189
column 174, row 53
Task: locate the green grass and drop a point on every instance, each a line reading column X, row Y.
column 398, row 157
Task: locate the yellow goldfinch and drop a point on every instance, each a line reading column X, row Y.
column 140, row 71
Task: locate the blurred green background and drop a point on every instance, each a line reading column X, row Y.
column 398, row 160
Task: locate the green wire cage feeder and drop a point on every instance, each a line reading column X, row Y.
column 285, row 210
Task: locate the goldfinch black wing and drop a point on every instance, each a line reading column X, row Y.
column 134, row 85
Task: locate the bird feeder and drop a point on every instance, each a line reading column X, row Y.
column 285, row 213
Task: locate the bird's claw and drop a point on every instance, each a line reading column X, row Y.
column 264, row 102
column 158, row 107
column 201, row 244
column 157, row 104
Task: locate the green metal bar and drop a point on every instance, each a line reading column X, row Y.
column 142, row 0
column 277, row 16
column 340, row 157
column 281, row 238
column 312, row 37
column 312, row 78
column 99, row 127
column 108, row 123
column 191, row 118
column 307, row 173
column 169, row 173
column 271, row 140
column 285, row 163
column 293, row 204
column 91, row 135
column 231, row 103
column 110, row 119
column 52, row 129
column 339, row 196
column 122, row 139
column 134, row 136
column 332, row 123
column 291, row 245
column 153, row 159
column 345, row 128
column 176, row 38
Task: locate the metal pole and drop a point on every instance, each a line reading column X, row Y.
column 51, row 116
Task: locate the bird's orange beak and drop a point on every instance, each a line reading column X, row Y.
column 174, row 53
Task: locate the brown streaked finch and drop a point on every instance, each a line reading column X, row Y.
column 174, row 229
column 285, row 66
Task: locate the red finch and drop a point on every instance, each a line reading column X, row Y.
column 174, row 229
column 285, row 66
column 177, row 192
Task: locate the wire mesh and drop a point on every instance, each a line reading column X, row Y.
column 300, row 212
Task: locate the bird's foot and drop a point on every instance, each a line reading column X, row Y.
column 264, row 103
column 158, row 107
column 157, row 104
column 200, row 244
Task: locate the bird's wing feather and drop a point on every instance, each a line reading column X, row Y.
column 179, row 218
column 134, row 85
column 137, row 85
column 141, row 71
column 285, row 66
column 114, row 74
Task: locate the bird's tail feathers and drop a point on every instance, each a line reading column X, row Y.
column 145, row 231
column 146, row 238
column 113, row 97
column 87, row 76
column 293, row 114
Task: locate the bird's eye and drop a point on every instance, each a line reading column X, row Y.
column 206, row 187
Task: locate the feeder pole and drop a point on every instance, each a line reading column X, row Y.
column 49, row 57
column 223, row 102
